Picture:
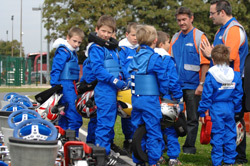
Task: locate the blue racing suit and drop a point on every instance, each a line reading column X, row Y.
column 105, row 69
column 88, row 76
column 145, row 99
column 222, row 95
column 65, row 70
column 174, row 92
column 126, row 54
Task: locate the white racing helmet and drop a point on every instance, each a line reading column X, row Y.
column 50, row 110
column 170, row 110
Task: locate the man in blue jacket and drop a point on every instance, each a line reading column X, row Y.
column 191, row 68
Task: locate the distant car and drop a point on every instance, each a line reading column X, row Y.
column 35, row 77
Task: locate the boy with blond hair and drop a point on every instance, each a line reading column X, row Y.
column 148, row 65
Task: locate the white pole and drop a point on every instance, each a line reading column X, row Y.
column 21, row 28
column 41, row 52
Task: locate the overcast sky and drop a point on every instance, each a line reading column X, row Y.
column 30, row 23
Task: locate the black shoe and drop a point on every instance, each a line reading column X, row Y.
column 117, row 149
column 189, row 150
column 240, row 161
column 112, row 158
column 127, row 146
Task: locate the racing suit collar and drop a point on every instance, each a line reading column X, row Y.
column 126, row 43
column 222, row 73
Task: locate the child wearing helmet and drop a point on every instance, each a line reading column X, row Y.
column 65, row 61
column 162, row 47
column 222, row 95
column 148, row 74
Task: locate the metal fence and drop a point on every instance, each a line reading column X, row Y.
column 14, row 71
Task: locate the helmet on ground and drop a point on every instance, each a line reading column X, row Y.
column 85, row 105
column 124, row 103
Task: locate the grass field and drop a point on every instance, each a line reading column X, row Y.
column 201, row 158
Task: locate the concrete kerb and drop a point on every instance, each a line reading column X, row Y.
column 27, row 86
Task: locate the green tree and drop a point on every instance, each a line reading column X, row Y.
column 5, row 48
column 61, row 15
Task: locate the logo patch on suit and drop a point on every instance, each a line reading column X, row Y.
column 190, row 44
column 227, row 86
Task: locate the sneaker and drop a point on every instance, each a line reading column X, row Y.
column 127, row 146
column 161, row 161
column 174, row 162
column 117, row 149
column 112, row 158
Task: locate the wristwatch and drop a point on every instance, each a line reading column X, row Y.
column 201, row 83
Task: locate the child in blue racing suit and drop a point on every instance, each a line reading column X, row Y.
column 65, row 71
column 148, row 74
column 128, row 47
column 110, row 76
column 162, row 47
column 222, row 94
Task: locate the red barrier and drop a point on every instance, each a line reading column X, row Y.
column 247, row 121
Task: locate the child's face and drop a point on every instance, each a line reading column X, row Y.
column 131, row 36
column 104, row 32
column 75, row 41
column 166, row 45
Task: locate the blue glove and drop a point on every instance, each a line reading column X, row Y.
column 119, row 84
